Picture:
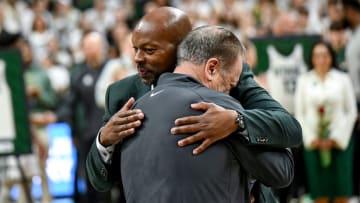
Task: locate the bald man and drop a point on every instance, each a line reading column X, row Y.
column 85, row 114
column 155, row 39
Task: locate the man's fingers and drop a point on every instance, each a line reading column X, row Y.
column 118, row 137
column 120, row 120
column 120, row 128
column 126, row 133
column 201, row 106
column 187, row 120
column 128, row 104
column 204, row 145
column 188, row 129
column 190, row 140
column 121, row 113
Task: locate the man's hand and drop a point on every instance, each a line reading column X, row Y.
column 121, row 124
column 215, row 124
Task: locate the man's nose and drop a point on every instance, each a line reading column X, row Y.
column 139, row 56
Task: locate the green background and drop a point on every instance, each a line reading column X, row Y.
column 284, row 45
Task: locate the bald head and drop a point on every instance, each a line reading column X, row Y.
column 171, row 21
column 94, row 48
column 155, row 40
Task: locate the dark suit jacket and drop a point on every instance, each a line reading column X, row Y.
column 155, row 169
column 267, row 122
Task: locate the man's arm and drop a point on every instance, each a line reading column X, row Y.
column 117, row 126
column 100, row 173
column 266, row 122
column 272, row 167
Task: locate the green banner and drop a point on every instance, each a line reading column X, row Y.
column 14, row 123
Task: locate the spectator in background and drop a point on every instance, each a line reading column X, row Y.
column 117, row 68
column 326, row 108
column 115, row 38
column 303, row 21
column 337, row 38
column 334, row 13
column 58, row 75
column 41, row 100
column 351, row 10
column 12, row 10
column 39, row 8
column 85, row 113
column 75, row 38
column 100, row 17
column 287, row 18
column 58, row 54
column 66, row 19
column 265, row 11
column 6, row 38
column 39, row 37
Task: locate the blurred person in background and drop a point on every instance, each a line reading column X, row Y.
column 334, row 13
column 65, row 19
column 60, row 55
column 351, row 10
column 265, row 11
column 58, row 74
column 116, row 69
column 201, row 12
column 337, row 37
column 100, row 17
column 287, row 18
column 325, row 106
column 6, row 38
column 84, row 112
column 12, row 11
column 115, row 36
column 38, row 8
column 39, row 37
column 74, row 39
column 303, row 21
column 41, row 101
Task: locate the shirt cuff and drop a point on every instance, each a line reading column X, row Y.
column 105, row 152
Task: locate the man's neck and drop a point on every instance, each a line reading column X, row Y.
column 189, row 69
column 94, row 64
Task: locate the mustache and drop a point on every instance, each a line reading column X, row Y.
column 142, row 67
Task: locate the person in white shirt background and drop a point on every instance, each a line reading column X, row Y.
column 324, row 92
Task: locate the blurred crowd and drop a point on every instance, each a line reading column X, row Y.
column 73, row 49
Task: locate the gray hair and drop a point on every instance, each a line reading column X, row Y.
column 207, row 42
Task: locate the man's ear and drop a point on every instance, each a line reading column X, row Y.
column 212, row 66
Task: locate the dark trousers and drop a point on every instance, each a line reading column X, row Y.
column 90, row 194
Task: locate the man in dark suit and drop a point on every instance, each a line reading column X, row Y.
column 82, row 108
column 155, row 169
column 155, row 38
